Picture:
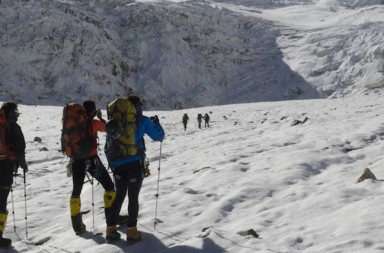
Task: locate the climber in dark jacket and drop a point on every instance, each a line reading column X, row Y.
column 12, row 155
column 206, row 119
column 199, row 119
column 185, row 121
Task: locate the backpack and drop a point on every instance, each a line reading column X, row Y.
column 76, row 142
column 5, row 149
column 120, row 141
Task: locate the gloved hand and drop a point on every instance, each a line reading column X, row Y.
column 23, row 164
column 69, row 168
column 155, row 119
column 147, row 172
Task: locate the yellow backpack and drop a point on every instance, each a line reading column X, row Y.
column 121, row 141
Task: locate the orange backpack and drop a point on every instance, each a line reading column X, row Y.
column 74, row 136
column 6, row 150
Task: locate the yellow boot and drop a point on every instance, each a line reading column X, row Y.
column 76, row 217
column 109, row 197
column 4, row 242
column 133, row 236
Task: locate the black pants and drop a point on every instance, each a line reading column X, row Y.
column 6, row 181
column 96, row 168
column 206, row 123
column 185, row 126
column 199, row 121
column 128, row 178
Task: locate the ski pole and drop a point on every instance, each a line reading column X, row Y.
column 93, row 201
column 158, row 184
column 13, row 211
column 25, row 205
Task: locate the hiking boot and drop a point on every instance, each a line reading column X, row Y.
column 122, row 219
column 133, row 236
column 77, row 224
column 4, row 242
column 112, row 235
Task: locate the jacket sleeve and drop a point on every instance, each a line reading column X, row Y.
column 98, row 126
column 18, row 140
column 154, row 130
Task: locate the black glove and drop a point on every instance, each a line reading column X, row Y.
column 21, row 161
column 155, row 119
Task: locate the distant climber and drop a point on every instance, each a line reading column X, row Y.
column 199, row 119
column 185, row 121
column 206, row 120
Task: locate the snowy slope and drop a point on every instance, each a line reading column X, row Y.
column 334, row 45
column 294, row 185
column 182, row 54
column 176, row 54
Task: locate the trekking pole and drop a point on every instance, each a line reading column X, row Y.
column 158, row 184
column 93, row 206
column 13, row 211
column 93, row 201
column 25, row 205
column 113, row 175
